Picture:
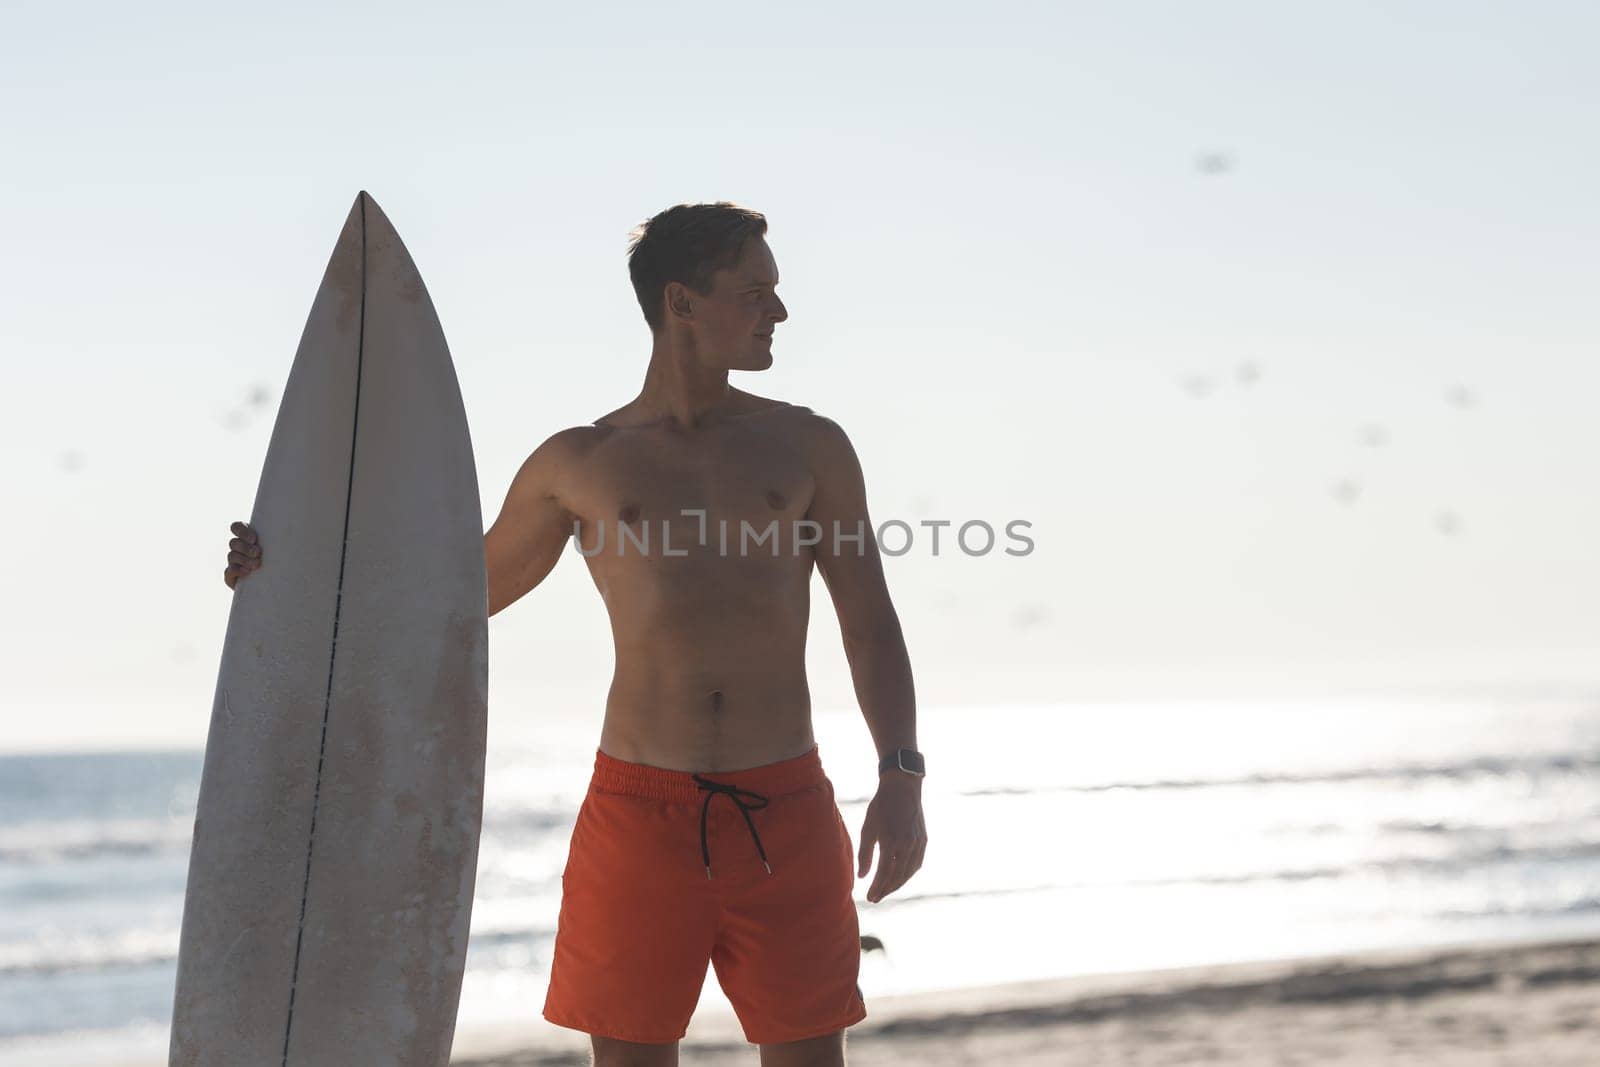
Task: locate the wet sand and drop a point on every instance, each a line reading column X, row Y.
column 1534, row 1004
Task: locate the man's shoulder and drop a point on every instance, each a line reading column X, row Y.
column 787, row 416
column 800, row 416
column 816, row 437
column 815, row 427
column 575, row 438
column 612, row 420
column 748, row 403
column 565, row 446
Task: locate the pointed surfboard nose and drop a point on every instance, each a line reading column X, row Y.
column 369, row 258
column 389, row 266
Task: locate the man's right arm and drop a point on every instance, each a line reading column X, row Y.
column 527, row 538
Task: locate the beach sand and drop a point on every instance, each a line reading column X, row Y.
column 1529, row 1003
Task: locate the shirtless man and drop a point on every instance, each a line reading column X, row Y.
column 699, row 509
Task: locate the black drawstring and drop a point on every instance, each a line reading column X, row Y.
column 713, row 788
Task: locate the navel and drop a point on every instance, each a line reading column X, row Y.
column 716, row 700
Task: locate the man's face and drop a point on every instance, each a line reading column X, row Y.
column 734, row 325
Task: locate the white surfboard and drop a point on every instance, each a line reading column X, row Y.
column 336, row 840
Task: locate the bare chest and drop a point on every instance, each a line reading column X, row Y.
column 733, row 491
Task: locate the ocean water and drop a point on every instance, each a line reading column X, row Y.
column 1063, row 840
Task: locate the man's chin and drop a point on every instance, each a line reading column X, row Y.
column 757, row 361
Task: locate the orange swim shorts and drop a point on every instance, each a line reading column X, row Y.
column 750, row 871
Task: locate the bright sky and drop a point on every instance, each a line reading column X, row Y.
column 1275, row 322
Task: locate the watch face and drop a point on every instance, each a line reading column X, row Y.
column 904, row 759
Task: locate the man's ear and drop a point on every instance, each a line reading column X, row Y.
column 677, row 301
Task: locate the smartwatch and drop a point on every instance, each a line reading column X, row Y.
column 906, row 759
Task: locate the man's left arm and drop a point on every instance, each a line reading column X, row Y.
column 847, row 556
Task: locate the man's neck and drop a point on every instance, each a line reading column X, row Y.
column 678, row 387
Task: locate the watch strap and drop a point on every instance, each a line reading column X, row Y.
column 908, row 760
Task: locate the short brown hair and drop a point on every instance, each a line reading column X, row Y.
column 687, row 243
